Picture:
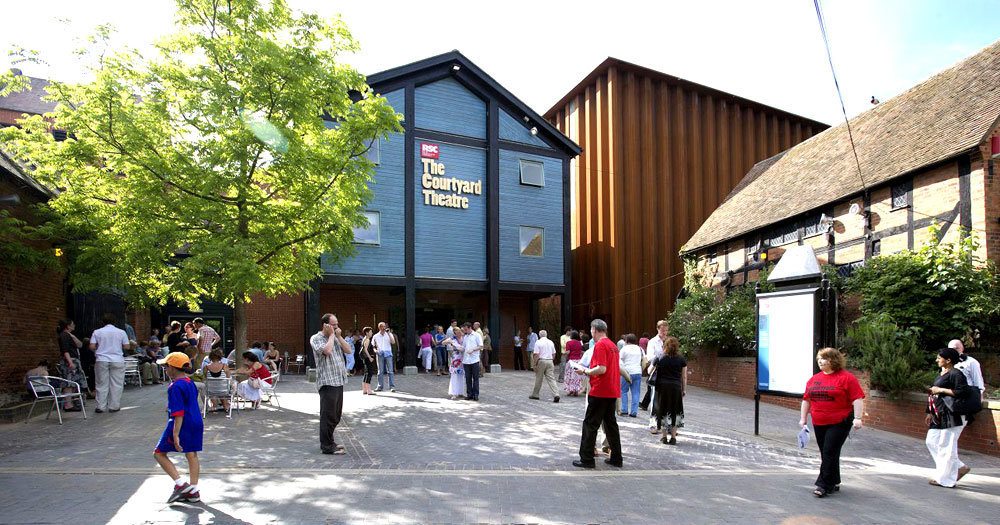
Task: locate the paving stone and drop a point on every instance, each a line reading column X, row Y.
column 415, row 457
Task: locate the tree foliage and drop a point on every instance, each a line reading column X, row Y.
column 939, row 292
column 213, row 169
column 711, row 318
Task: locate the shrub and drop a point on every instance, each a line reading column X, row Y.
column 889, row 354
column 709, row 318
column 939, row 292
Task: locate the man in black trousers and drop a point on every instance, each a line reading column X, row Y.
column 605, row 389
column 329, row 348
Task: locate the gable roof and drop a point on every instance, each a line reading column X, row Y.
column 15, row 172
column 444, row 63
column 30, row 100
column 947, row 115
column 643, row 71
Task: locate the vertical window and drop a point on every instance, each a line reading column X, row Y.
column 532, row 242
column 532, row 173
column 876, row 248
column 901, row 194
column 374, row 153
column 369, row 235
column 753, row 249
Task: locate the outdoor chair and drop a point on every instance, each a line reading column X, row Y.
column 299, row 363
column 219, row 388
column 50, row 387
column 268, row 390
column 132, row 371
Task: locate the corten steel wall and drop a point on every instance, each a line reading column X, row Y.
column 659, row 155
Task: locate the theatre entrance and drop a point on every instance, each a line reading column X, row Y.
column 434, row 315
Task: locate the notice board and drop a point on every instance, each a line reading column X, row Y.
column 787, row 340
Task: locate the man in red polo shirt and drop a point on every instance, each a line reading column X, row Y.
column 605, row 389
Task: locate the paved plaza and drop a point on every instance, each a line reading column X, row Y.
column 415, row 457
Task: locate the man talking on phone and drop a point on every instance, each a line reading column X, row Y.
column 329, row 348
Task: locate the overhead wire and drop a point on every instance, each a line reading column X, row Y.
column 840, row 96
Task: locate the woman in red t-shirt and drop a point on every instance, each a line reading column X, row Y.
column 836, row 402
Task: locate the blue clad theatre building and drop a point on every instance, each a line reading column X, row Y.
column 470, row 214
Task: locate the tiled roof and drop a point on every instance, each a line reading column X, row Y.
column 948, row 114
column 30, row 100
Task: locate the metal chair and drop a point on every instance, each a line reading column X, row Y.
column 132, row 371
column 268, row 389
column 50, row 387
column 299, row 364
column 218, row 388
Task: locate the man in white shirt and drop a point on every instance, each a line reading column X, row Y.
column 545, row 351
column 473, row 345
column 109, row 344
column 384, row 339
column 532, row 339
column 970, row 367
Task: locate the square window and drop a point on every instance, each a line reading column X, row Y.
column 532, row 173
column 532, row 241
column 369, row 235
column 374, row 153
column 901, row 195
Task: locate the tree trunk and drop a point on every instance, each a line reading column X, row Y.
column 240, row 329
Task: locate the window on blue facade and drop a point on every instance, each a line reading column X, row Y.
column 369, row 235
column 532, row 173
column 532, row 241
column 374, row 152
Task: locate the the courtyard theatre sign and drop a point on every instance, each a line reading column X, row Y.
column 440, row 190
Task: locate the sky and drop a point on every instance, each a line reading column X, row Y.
column 770, row 51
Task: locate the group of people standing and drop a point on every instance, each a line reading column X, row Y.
column 612, row 376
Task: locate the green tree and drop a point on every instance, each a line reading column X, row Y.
column 939, row 292
column 213, row 169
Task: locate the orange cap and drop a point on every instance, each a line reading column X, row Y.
column 175, row 359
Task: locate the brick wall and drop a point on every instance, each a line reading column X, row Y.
column 140, row 321
column 358, row 307
column 31, row 305
column 902, row 416
column 32, row 301
column 280, row 319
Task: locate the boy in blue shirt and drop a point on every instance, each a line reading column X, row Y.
column 184, row 428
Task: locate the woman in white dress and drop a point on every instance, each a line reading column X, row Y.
column 456, row 384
